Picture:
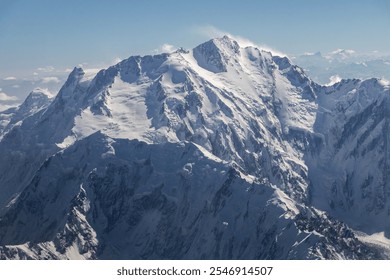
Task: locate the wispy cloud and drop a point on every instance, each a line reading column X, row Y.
column 90, row 72
column 165, row 48
column 10, row 78
column 4, row 107
column 6, row 97
column 339, row 51
column 116, row 60
column 385, row 83
column 168, row 48
column 334, row 80
column 210, row 32
column 46, row 69
column 47, row 80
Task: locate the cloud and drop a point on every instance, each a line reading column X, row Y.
column 6, row 97
column 334, row 80
column 165, row 48
column 46, row 69
column 9, row 78
column 343, row 51
column 16, row 86
column 384, row 82
column 168, row 48
column 91, row 72
column 212, row 32
column 47, row 80
column 116, row 60
column 4, row 107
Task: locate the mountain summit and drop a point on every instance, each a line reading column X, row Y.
column 219, row 152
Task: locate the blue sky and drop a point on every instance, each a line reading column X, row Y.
column 59, row 34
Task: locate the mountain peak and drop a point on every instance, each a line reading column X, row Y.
column 40, row 92
column 36, row 98
column 71, row 83
column 227, row 45
column 77, row 71
column 214, row 54
column 75, row 76
column 227, row 41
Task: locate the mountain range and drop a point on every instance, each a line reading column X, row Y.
column 340, row 64
column 219, row 152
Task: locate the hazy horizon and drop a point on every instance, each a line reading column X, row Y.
column 43, row 40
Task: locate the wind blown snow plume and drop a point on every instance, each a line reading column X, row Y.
column 210, row 31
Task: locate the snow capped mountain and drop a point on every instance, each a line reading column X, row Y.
column 37, row 100
column 341, row 54
column 221, row 151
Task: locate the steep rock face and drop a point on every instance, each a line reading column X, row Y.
column 350, row 174
column 173, row 201
column 27, row 145
column 37, row 100
column 17, row 153
column 214, row 55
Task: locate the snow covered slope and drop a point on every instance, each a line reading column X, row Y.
column 120, row 199
column 350, row 175
column 37, row 100
column 240, row 114
column 159, row 146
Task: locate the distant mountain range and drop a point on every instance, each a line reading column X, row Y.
column 344, row 64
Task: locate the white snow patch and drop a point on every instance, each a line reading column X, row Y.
column 129, row 118
column 288, row 203
column 68, row 141
column 377, row 239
